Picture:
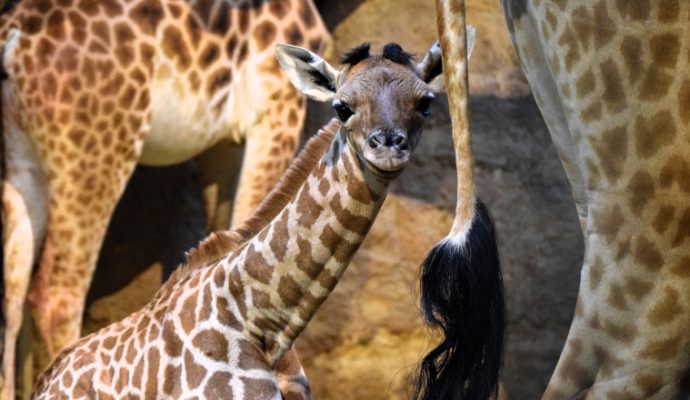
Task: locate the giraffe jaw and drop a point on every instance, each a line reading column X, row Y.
column 389, row 171
column 386, row 161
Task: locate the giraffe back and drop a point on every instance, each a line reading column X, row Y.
column 204, row 70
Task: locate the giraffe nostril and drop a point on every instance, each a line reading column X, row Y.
column 377, row 140
column 399, row 141
column 391, row 139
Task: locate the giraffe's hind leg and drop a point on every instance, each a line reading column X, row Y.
column 87, row 172
column 24, row 208
column 18, row 248
column 83, row 194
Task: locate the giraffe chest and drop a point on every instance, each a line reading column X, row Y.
column 185, row 121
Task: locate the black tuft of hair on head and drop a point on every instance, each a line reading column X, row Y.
column 356, row 55
column 395, row 53
column 462, row 294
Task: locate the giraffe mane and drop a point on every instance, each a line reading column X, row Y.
column 218, row 244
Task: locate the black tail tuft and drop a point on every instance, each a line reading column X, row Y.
column 462, row 294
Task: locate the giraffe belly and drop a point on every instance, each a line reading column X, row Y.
column 182, row 125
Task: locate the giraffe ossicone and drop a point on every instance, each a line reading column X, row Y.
column 221, row 325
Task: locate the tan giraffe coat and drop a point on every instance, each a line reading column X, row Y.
column 220, row 326
column 93, row 87
column 612, row 79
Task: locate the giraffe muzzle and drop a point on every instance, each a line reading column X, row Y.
column 387, row 150
column 396, row 140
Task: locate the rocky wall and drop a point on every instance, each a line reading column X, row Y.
column 367, row 337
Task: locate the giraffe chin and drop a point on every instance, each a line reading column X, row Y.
column 386, row 170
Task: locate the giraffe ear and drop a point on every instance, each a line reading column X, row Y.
column 431, row 68
column 310, row 74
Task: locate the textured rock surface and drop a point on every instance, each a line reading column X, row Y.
column 366, row 339
column 411, row 23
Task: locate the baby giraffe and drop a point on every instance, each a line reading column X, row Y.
column 219, row 327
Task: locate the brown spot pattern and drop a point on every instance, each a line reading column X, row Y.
column 654, row 133
column 213, row 344
column 616, row 297
column 682, row 268
column 637, row 288
column 647, row 254
column 662, row 349
column 264, row 34
column 613, row 95
column 175, row 47
column 194, row 373
column 218, row 386
column 147, row 14
column 612, row 151
column 641, row 189
column 666, row 309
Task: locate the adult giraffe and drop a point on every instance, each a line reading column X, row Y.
column 94, row 87
column 612, row 79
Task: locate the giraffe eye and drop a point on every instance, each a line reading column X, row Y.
column 343, row 110
column 424, row 105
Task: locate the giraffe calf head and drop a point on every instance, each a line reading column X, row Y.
column 382, row 100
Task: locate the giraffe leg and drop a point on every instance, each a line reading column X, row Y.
column 83, row 191
column 73, row 240
column 629, row 335
column 291, row 377
column 219, row 169
column 19, row 245
column 270, row 147
column 24, row 214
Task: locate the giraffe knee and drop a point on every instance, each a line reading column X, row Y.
column 57, row 313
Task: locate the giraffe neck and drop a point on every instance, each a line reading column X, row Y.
column 285, row 272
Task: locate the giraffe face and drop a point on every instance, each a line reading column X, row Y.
column 383, row 105
column 381, row 100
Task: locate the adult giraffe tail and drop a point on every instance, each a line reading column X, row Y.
column 461, row 285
